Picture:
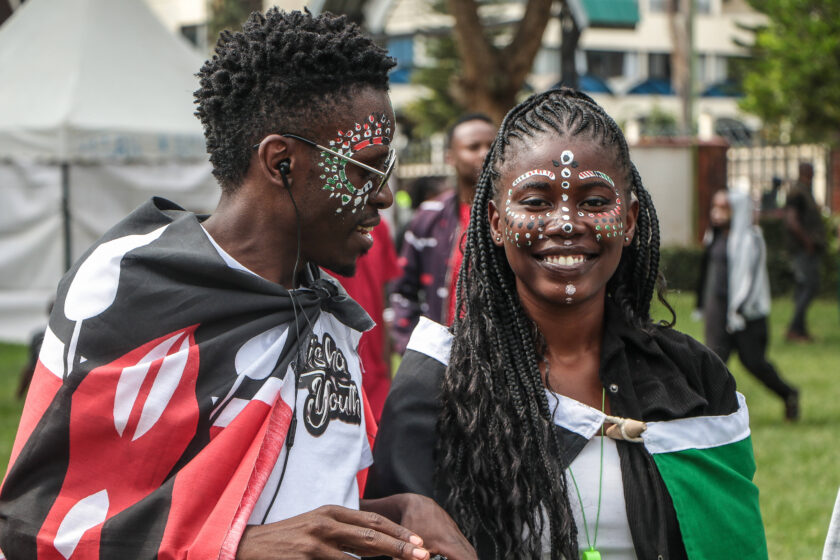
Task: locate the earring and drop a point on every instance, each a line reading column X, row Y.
column 626, row 239
column 498, row 239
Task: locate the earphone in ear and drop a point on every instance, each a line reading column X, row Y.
column 284, row 167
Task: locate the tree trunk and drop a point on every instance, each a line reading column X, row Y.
column 679, row 20
column 491, row 76
column 568, row 48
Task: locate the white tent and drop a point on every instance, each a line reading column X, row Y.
column 96, row 116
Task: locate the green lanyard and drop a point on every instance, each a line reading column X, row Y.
column 592, row 553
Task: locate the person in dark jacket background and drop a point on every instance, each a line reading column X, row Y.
column 807, row 242
column 734, row 293
column 430, row 254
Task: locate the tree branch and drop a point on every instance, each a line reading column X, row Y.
column 476, row 51
column 519, row 54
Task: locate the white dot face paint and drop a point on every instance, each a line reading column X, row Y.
column 567, row 157
column 609, row 224
column 567, row 216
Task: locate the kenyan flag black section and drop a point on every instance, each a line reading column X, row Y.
column 403, row 456
column 124, row 422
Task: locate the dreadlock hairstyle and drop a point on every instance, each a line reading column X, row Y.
column 498, row 462
column 279, row 74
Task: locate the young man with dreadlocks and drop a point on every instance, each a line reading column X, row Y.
column 198, row 392
column 556, row 419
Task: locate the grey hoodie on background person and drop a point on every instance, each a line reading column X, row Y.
column 749, row 283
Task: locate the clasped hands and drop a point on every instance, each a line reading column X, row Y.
column 403, row 526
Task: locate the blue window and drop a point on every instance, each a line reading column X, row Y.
column 402, row 48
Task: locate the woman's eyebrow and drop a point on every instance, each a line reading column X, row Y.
column 591, row 173
column 534, row 185
column 531, row 173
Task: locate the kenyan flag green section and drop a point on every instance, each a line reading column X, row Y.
column 707, row 464
column 716, row 501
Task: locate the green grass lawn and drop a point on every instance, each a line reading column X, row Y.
column 12, row 359
column 798, row 464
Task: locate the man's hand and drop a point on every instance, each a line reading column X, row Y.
column 424, row 517
column 329, row 532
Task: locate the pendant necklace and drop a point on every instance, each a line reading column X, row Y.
column 591, row 553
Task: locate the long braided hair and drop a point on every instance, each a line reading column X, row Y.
column 497, row 454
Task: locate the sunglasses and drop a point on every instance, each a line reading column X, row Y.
column 390, row 163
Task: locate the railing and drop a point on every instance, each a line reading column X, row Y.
column 752, row 169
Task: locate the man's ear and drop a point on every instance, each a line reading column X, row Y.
column 276, row 159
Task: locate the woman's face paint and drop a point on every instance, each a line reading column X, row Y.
column 562, row 230
column 374, row 131
column 609, row 223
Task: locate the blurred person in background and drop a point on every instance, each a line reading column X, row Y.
column 368, row 287
column 420, row 190
column 734, row 292
column 431, row 254
column 770, row 199
column 806, row 235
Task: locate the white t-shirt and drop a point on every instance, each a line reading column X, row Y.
column 330, row 440
column 614, row 539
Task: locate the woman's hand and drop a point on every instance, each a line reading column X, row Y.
column 422, row 516
column 329, row 532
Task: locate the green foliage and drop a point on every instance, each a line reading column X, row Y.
column 438, row 109
column 12, row 359
column 793, row 81
column 229, row 14
column 681, row 265
column 659, row 123
column 778, row 257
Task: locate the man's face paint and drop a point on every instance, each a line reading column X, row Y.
column 374, row 131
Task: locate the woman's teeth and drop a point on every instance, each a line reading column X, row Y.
column 364, row 230
column 565, row 260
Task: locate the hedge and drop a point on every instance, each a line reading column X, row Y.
column 681, row 265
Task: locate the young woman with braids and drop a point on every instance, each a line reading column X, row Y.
column 554, row 387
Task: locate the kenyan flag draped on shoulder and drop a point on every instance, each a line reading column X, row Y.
column 707, row 464
column 155, row 415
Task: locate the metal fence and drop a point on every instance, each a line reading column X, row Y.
column 752, row 169
column 423, row 158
